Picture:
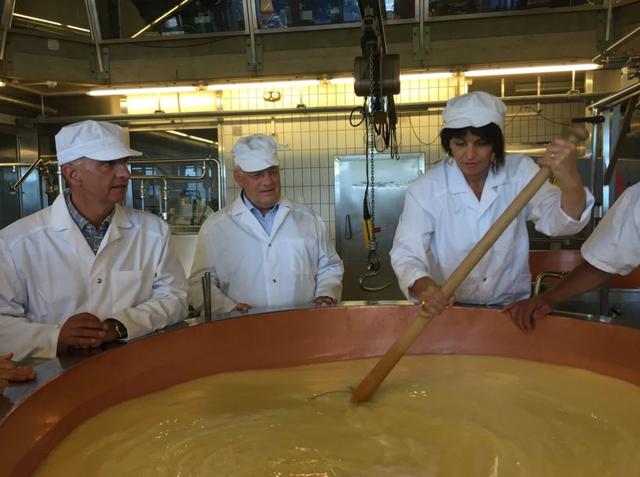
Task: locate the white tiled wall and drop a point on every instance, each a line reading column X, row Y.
column 308, row 143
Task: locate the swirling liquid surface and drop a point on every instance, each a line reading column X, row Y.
column 433, row 416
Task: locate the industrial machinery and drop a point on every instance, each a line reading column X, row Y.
column 377, row 78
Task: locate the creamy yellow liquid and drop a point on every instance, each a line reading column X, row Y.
column 441, row 416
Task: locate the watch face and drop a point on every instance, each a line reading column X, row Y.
column 121, row 331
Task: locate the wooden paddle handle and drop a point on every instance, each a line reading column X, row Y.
column 370, row 383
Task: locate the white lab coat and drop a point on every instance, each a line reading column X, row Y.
column 294, row 265
column 614, row 246
column 443, row 219
column 48, row 273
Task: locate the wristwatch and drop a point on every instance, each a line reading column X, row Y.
column 121, row 331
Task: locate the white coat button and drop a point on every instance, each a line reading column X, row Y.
column 484, row 279
column 269, row 245
column 99, row 280
column 274, row 280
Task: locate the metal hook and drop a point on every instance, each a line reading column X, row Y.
column 378, row 288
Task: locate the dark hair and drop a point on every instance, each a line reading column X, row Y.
column 490, row 133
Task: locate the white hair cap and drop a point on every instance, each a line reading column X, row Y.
column 93, row 139
column 255, row 153
column 475, row 109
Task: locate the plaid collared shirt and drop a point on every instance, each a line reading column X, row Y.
column 92, row 235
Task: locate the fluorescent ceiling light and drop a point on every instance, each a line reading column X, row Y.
column 430, row 75
column 406, row 77
column 133, row 91
column 262, row 85
column 160, row 18
column 345, row 80
column 189, row 136
column 49, row 22
column 531, row 69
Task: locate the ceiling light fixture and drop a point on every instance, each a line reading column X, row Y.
column 134, row 91
column 49, row 22
column 429, row 75
column 190, row 136
column 523, row 70
column 263, row 85
column 405, row 77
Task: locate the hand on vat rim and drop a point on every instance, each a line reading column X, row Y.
column 524, row 313
column 10, row 373
column 324, row 300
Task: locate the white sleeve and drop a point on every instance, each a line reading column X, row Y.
column 168, row 301
column 614, row 245
column 330, row 268
column 411, row 243
column 203, row 261
column 545, row 209
column 18, row 334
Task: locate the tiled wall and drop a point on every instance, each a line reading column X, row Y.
column 308, row 143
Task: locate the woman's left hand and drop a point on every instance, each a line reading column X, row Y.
column 560, row 157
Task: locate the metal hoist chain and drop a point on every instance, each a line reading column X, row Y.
column 372, row 145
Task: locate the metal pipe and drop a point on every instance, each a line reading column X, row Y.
column 206, row 295
column 27, row 104
column 128, row 118
column 616, row 98
column 616, row 44
column 25, row 175
column 615, row 151
column 170, row 161
column 142, row 194
column 94, row 26
column 7, row 17
column 163, row 198
column 541, row 276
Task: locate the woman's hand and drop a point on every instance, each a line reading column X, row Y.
column 432, row 300
column 560, row 157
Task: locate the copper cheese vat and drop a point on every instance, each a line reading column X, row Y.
column 286, row 338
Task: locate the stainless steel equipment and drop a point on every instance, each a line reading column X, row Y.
column 391, row 180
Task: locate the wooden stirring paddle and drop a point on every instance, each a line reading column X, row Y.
column 383, row 367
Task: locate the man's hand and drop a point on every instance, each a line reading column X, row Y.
column 242, row 307
column 83, row 330
column 525, row 312
column 10, row 373
column 324, row 300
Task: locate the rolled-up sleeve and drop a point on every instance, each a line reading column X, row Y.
column 545, row 209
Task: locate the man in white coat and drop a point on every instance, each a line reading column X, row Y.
column 613, row 248
column 264, row 250
column 86, row 270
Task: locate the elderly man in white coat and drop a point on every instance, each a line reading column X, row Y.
column 264, row 250
column 86, row 270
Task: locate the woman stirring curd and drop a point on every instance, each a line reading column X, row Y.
column 449, row 209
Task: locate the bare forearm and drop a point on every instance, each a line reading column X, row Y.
column 583, row 278
column 573, row 198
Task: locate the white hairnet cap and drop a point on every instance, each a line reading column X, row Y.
column 475, row 109
column 93, row 139
column 255, row 153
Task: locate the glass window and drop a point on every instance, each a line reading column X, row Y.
column 460, row 7
column 147, row 18
column 296, row 13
